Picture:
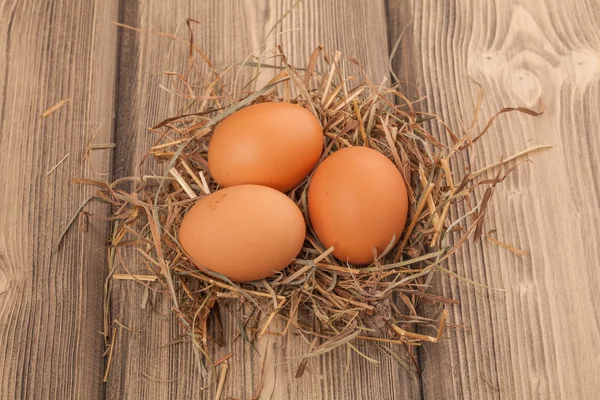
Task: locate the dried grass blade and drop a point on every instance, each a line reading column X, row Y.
column 415, row 219
column 333, row 66
column 58, row 164
column 222, row 376
column 513, row 157
column 54, row 107
column 329, row 345
column 523, row 110
column 507, row 246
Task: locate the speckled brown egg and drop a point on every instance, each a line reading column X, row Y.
column 245, row 232
column 357, row 200
column 270, row 144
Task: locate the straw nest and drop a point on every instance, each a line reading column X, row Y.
column 328, row 302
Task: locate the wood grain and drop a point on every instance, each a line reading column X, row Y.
column 144, row 365
column 51, row 302
column 538, row 339
column 541, row 337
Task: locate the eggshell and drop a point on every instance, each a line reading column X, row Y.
column 245, row 232
column 270, row 144
column 357, row 200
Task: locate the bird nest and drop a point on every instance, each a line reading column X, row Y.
column 328, row 302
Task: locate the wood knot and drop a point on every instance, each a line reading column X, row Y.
column 527, row 60
column 525, row 85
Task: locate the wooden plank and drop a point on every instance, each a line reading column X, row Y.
column 540, row 338
column 144, row 364
column 51, row 302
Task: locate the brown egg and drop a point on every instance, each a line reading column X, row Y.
column 269, row 144
column 245, row 232
column 357, row 200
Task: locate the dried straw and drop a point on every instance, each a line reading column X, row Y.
column 330, row 303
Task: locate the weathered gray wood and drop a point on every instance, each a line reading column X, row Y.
column 51, row 302
column 540, row 338
column 141, row 367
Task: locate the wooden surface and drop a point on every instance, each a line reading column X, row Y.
column 538, row 339
column 51, row 303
